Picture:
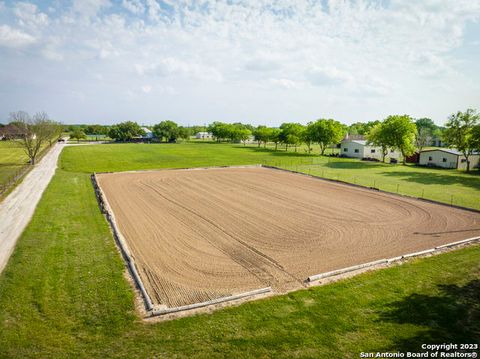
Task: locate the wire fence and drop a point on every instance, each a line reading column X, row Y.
column 318, row 167
column 16, row 175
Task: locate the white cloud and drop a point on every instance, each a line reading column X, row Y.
column 29, row 16
column 14, row 38
column 171, row 66
column 286, row 83
column 90, row 8
column 291, row 58
column 146, row 88
column 328, row 76
column 134, row 6
column 154, row 10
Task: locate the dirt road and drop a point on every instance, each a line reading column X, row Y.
column 202, row 234
column 17, row 209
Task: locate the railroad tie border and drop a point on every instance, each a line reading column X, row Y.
column 163, row 310
column 105, row 206
column 333, row 273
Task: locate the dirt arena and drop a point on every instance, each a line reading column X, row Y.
column 201, row 234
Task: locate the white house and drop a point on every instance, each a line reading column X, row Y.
column 356, row 146
column 447, row 158
column 204, row 135
column 148, row 133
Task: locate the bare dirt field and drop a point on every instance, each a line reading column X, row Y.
column 202, row 234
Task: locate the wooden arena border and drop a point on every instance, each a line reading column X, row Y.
column 350, row 271
column 386, row 262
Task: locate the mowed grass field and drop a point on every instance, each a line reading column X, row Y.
column 14, row 163
column 12, row 159
column 448, row 186
column 64, row 291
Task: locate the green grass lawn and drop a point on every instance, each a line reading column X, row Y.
column 14, row 164
column 449, row 186
column 12, row 159
column 64, row 293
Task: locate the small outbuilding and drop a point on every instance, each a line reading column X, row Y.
column 203, row 135
column 356, row 146
column 448, row 158
column 148, row 133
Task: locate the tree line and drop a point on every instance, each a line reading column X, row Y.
column 396, row 132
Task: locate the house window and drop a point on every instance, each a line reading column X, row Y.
column 356, row 150
column 463, row 160
column 372, row 150
column 430, row 158
column 444, row 159
column 392, row 151
column 345, row 149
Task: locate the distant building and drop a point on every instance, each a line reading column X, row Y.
column 203, row 135
column 11, row 132
column 148, row 133
column 356, row 146
column 437, row 142
column 447, row 158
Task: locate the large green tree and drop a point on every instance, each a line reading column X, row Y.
column 166, row 130
column 378, row 137
column 476, row 139
column 276, row 136
column 78, row 134
column 262, row 134
column 361, row 128
column 184, row 133
column 425, row 132
column 460, row 132
column 96, row 130
column 291, row 134
column 219, row 130
column 400, row 132
column 308, row 135
column 125, row 131
column 326, row 132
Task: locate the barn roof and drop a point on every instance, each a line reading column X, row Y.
column 353, row 137
column 360, row 142
column 452, row 151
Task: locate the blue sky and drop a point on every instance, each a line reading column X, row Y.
column 255, row 61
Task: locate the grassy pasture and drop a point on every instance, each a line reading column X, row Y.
column 436, row 184
column 12, row 159
column 63, row 293
column 14, row 164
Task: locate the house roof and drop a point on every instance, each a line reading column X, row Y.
column 11, row 130
column 360, row 142
column 353, row 137
column 452, row 151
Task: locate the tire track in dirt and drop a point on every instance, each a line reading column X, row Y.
column 265, row 268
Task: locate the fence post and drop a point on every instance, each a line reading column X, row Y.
column 398, row 186
column 374, row 181
column 423, row 192
column 451, row 200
